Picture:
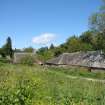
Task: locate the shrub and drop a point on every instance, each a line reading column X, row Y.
column 4, row 60
column 28, row 60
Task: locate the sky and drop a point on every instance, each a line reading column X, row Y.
column 39, row 23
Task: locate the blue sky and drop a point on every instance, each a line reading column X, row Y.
column 38, row 23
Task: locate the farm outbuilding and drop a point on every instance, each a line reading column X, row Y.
column 90, row 59
column 20, row 55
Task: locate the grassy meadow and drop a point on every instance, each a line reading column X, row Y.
column 35, row 85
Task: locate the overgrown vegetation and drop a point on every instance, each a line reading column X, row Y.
column 6, row 49
column 80, row 72
column 26, row 85
column 28, row 60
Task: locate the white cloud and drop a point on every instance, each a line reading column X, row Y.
column 44, row 39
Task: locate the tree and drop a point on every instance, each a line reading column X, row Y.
column 52, row 46
column 44, row 53
column 87, row 37
column 97, row 24
column 2, row 52
column 42, row 50
column 58, row 50
column 100, row 42
column 29, row 49
column 97, row 20
column 7, row 48
column 73, row 44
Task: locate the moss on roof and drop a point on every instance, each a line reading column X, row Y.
column 89, row 59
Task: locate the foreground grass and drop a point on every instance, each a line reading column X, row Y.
column 24, row 85
column 80, row 72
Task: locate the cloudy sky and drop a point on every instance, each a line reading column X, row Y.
column 39, row 23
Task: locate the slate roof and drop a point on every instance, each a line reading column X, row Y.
column 95, row 59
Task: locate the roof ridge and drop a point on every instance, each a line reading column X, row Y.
column 60, row 61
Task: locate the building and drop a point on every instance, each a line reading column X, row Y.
column 19, row 55
column 90, row 59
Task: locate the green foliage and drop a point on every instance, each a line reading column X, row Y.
column 22, row 95
column 101, row 42
column 73, row 44
column 44, row 53
column 80, row 72
column 7, row 48
column 42, row 50
column 77, row 44
column 97, row 23
column 29, row 49
column 58, row 50
column 97, row 20
column 86, row 47
column 4, row 60
column 52, row 46
column 26, row 85
column 2, row 52
column 28, row 60
column 87, row 37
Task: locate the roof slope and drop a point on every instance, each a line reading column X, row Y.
column 89, row 59
column 19, row 56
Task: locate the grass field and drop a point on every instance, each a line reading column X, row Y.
column 80, row 72
column 24, row 85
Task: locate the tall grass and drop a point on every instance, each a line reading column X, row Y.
column 80, row 72
column 25, row 85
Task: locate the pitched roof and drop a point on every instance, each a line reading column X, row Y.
column 89, row 59
column 20, row 55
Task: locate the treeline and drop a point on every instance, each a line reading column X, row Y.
column 88, row 41
column 91, row 40
column 28, row 50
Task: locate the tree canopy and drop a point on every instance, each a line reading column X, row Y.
column 97, row 20
column 7, row 50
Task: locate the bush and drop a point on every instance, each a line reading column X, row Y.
column 28, row 60
column 4, row 60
